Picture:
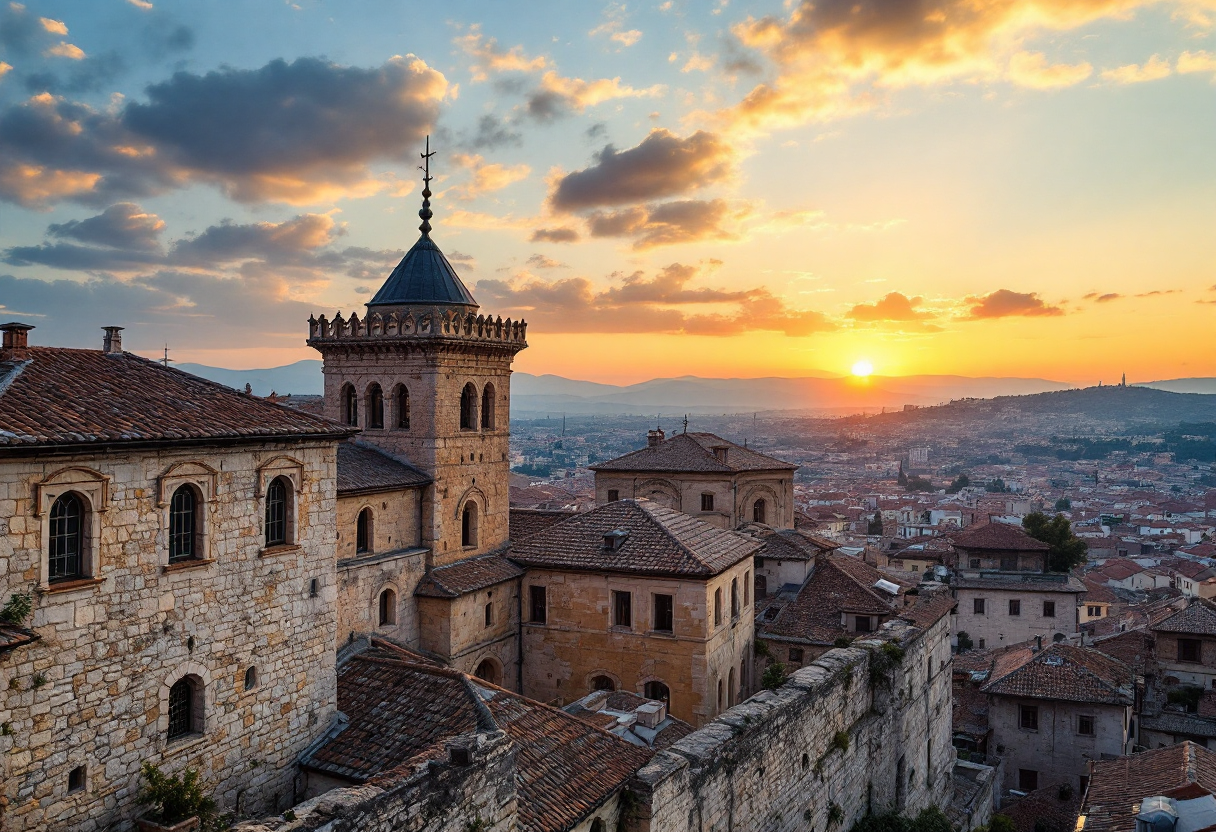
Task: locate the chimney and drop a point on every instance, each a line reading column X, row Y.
column 111, row 344
column 1038, row 643
column 16, row 341
column 654, row 437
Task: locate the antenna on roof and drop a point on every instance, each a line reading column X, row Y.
column 165, row 360
column 686, row 423
column 425, row 167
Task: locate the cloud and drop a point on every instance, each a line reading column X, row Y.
column 1030, row 69
column 299, row 133
column 1155, row 68
column 1004, row 303
column 895, row 306
column 540, row 261
column 122, row 225
column 644, row 305
column 21, row 33
column 140, row 4
column 662, row 165
column 491, row 133
column 669, row 223
column 55, row 27
column 614, row 28
column 5, row 68
column 1156, row 292
column 485, row 177
column 65, row 50
column 557, row 95
column 1198, row 61
column 88, row 75
column 488, row 57
column 554, row 235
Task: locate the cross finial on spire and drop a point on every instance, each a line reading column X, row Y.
column 425, row 167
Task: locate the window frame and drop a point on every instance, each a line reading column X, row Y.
column 365, row 528
column 1092, row 720
column 468, row 407
column 349, row 401
column 622, row 609
column 469, row 522
column 401, row 400
column 375, row 406
column 386, row 607
column 1015, row 607
column 1028, row 714
column 1188, row 642
column 488, row 392
column 614, row 495
column 538, row 604
column 276, row 521
column 77, row 538
column 978, row 606
column 718, row 607
column 191, row 711
column 661, row 616
column 1049, row 609
column 194, row 533
column 707, row 501
column 760, row 511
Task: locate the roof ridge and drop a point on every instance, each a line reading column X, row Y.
column 832, row 557
column 650, row 518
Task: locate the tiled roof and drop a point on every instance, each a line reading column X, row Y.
column 839, row 584
column 364, row 469
column 1116, row 787
column 1179, row 724
column 424, row 276
column 12, row 637
column 694, row 452
column 1064, row 672
column 1022, row 582
column 1198, row 618
column 1043, row 809
column 1135, row 648
column 401, row 711
column 969, row 713
column 790, row 544
column 616, row 704
column 525, row 522
column 928, row 609
column 1098, row 593
column 659, row 541
column 467, row 576
column 86, row 397
column 997, row 537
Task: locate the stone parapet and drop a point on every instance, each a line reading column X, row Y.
column 422, row 322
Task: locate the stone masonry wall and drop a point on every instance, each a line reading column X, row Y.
column 93, row 691
column 1055, row 749
column 734, row 494
column 840, row 737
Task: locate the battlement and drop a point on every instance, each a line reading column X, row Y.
column 434, row 322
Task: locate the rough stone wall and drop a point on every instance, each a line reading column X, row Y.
column 472, row 641
column 93, row 692
column 465, row 464
column 780, row 761
column 1000, row 629
column 734, row 494
column 777, row 573
column 1055, row 750
column 578, row 641
column 395, row 521
column 1200, row 673
column 360, row 583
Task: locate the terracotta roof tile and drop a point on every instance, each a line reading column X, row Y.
column 73, row 397
column 467, row 576
column 1116, row 787
column 1097, row 592
column 1198, row 617
column 1135, row 648
column 694, row 452
column 525, row 522
column 658, row 541
column 1064, row 672
column 791, row 544
column 364, row 469
column 12, row 637
column 997, row 537
column 838, row 585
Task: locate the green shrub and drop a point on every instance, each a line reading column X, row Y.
column 1001, row 823
column 18, row 608
column 841, row 740
column 774, row 676
column 175, row 798
column 931, row 819
column 842, row 641
column 964, row 641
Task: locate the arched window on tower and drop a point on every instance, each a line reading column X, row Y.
column 487, row 407
column 403, row 407
column 468, row 407
column 375, row 406
column 350, row 405
column 363, row 532
column 185, row 707
column 468, row 524
column 759, row 512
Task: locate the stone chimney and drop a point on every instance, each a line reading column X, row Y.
column 654, row 437
column 15, row 346
column 111, row 344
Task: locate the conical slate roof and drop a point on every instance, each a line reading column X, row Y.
column 424, row 277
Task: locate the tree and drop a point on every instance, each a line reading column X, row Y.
column 1067, row 550
column 774, row 676
column 919, row 483
column 958, row 484
column 997, row 486
column 875, row 525
column 1063, row 504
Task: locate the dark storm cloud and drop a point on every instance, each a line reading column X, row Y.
column 662, row 165
column 122, row 225
column 91, row 74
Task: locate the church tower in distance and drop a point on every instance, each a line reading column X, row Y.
column 426, row 376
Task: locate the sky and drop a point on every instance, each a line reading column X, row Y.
column 715, row 188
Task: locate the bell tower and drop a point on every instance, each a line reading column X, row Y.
column 427, row 376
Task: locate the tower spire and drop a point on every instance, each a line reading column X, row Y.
column 425, row 213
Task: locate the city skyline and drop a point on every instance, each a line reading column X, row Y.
column 740, row 189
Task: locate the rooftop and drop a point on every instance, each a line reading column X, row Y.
column 997, row 537
column 1063, row 672
column 1118, row 787
column 467, row 576
column 840, row 584
column 695, row 453
column 1198, row 617
column 363, row 469
column 424, row 277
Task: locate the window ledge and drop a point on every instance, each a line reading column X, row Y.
column 620, row 628
column 189, row 563
column 281, row 549
column 69, row 586
column 661, row 633
column 185, row 741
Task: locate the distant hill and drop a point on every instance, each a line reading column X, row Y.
column 302, row 378
column 1206, row 386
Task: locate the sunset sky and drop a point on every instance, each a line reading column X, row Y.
column 713, row 188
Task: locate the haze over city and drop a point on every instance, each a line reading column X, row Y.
column 721, row 189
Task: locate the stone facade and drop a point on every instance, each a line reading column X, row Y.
column 734, row 495
column 578, row 641
column 1193, row 664
column 457, row 629
column 998, row 627
column 93, row 692
column 842, row 736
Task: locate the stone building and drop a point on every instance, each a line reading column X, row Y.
column 176, row 539
column 1005, row 593
column 425, row 377
column 638, row 597
column 1053, row 711
column 1186, row 645
column 787, row 558
column 704, row 475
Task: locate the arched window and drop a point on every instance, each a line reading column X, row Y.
column 251, row 678
column 403, row 407
column 350, row 405
column 487, row 671
column 278, row 512
column 183, row 525
column 760, row 511
column 730, row 689
column 487, row 407
column 375, row 406
column 363, row 532
column 742, row 679
column 657, row 690
column 388, row 608
column 65, row 555
column 603, row 683
column 719, row 695
column 468, row 407
column 468, row 524
column 597, row 825
column 185, row 708
column 734, row 598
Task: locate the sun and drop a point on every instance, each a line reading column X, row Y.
column 862, row 368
